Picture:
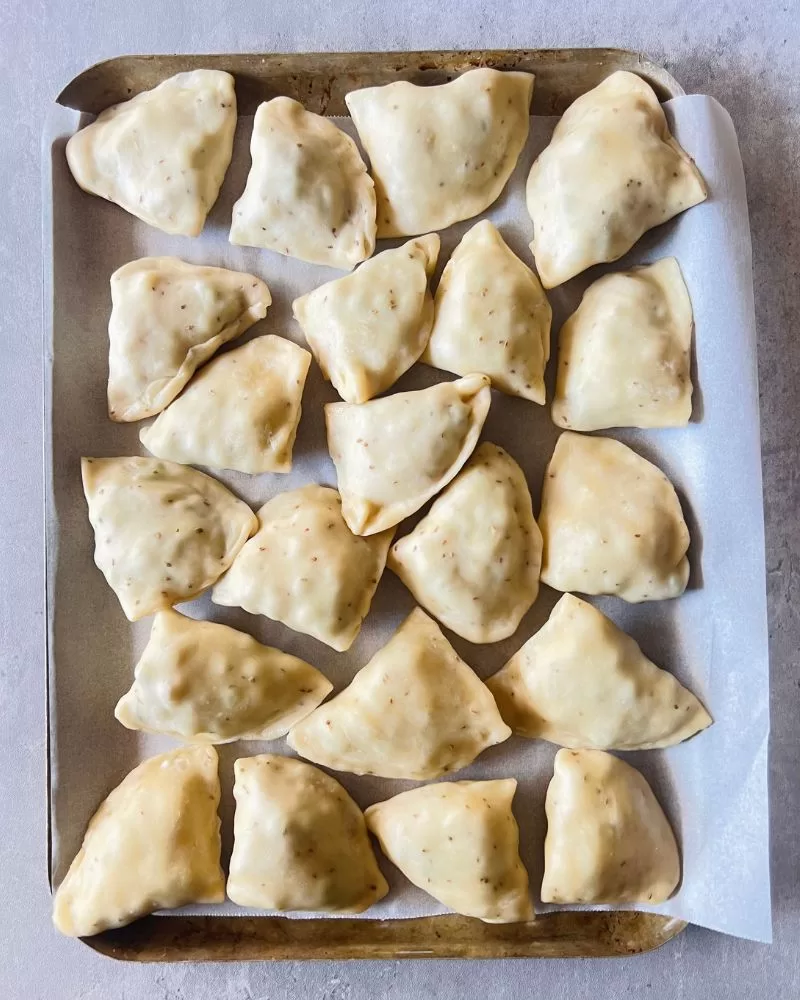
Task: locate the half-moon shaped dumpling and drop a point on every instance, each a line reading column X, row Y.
column 153, row 844
column 492, row 316
column 299, row 841
column 624, row 354
column 608, row 840
column 582, row 682
column 162, row 532
column 240, row 412
column 308, row 193
column 393, row 454
column 305, row 568
column 473, row 561
column 459, row 842
column 161, row 155
column 611, row 172
column 206, row 683
column 368, row 328
column 611, row 523
column 441, row 154
column 167, row 319
column 416, row 710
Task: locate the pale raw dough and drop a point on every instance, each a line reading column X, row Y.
column 582, row 682
column 308, row 193
column 459, row 842
column 153, row 844
column 368, row 328
column 611, row 523
column 240, row 412
column 608, row 840
column 416, row 710
column 206, row 683
column 473, row 561
column 299, row 841
column 624, row 354
column 167, row 319
column 393, row 454
column 611, row 172
column 305, row 568
column 441, row 154
column 162, row 532
column 492, row 316
column 161, row 155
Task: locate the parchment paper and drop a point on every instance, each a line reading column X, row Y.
column 714, row 638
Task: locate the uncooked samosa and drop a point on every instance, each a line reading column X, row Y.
column 492, row 316
column 393, row 454
column 473, row 561
column 206, row 683
column 299, row 841
column 608, row 840
column 611, row 523
column 416, row 710
column 162, row 532
column 305, row 568
column 308, row 193
column 240, row 412
column 611, row 172
column 441, row 154
column 624, row 354
column 368, row 328
column 167, row 319
column 459, row 842
column 582, row 682
column 161, row 155
column 153, row 844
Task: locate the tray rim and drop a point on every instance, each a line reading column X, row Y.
column 566, row 934
column 72, row 95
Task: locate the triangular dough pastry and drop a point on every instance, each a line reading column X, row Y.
column 206, row 683
column 240, row 412
column 167, row 319
column 611, row 172
column 305, row 568
column 153, row 844
column 582, row 682
column 608, row 840
column 162, row 532
column 459, row 842
column 624, row 354
column 368, row 328
column 393, row 454
column 611, row 523
column 492, row 316
column 161, row 155
column 473, row 561
column 441, row 154
column 416, row 710
column 308, row 193
column 299, row 841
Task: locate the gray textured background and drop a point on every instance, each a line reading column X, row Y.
column 746, row 55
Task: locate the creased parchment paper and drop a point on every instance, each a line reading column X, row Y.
column 714, row 638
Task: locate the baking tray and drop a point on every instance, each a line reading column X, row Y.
column 319, row 81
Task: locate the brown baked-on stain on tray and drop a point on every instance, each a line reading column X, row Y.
column 574, row 934
column 320, row 81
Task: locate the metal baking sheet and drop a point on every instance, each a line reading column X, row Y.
column 714, row 637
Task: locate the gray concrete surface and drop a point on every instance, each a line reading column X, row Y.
column 745, row 54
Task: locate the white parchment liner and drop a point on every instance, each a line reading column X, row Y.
column 714, row 638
